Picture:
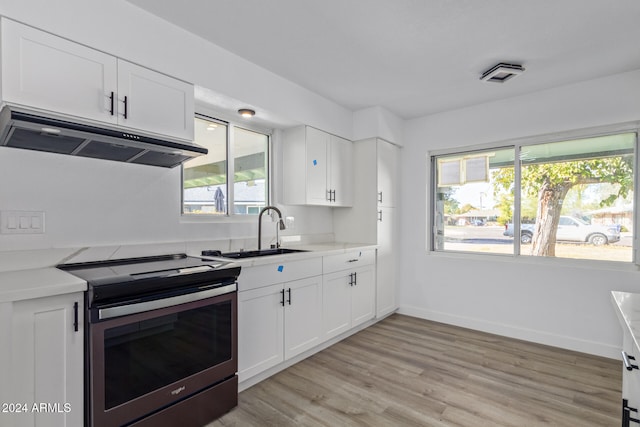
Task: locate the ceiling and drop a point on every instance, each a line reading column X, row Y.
column 418, row 57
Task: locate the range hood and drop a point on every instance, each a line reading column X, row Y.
column 40, row 131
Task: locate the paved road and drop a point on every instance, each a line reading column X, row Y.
column 491, row 234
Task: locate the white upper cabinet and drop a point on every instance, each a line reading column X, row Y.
column 317, row 168
column 43, row 71
column 51, row 73
column 387, row 158
column 154, row 102
column 340, row 173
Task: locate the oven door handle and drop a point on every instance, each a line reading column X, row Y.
column 140, row 307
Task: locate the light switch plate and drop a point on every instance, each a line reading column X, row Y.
column 21, row 222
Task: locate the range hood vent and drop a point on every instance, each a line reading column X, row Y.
column 40, row 131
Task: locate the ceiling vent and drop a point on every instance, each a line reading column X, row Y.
column 501, row 72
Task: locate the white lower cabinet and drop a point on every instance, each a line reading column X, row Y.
column 277, row 322
column 42, row 382
column 260, row 330
column 302, row 315
column 349, row 291
column 386, row 301
column 630, row 382
column 288, row 308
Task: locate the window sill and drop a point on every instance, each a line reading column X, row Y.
column 208, row 219
column 588, row 264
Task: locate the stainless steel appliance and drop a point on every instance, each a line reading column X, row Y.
column 161, row 340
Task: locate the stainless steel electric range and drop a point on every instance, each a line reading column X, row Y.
column 161, row 340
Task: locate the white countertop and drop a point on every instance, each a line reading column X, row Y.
column 38, row 283
column 628, row 310
column 43, row 282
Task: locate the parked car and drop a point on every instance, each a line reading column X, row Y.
column 572, row 229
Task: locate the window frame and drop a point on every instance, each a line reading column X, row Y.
column 230, row 215
column 517, row 144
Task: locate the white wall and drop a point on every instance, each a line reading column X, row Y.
column 377, row 122
column 556, row 303
column 90, row 203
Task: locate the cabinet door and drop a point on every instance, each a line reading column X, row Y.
column 154, row 102
column 336, row 304
column 260, row 330
column 387, row 174
column 386, row 264
column 47, row 361
column 363, row 296
column 48, row 72
column 317, row 159
column 341, row 175
column 303, row 315
column 631, row 379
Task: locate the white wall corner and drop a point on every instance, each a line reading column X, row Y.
column 377, row 122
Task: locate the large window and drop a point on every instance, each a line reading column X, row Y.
column 214, row 186
column 567, row 199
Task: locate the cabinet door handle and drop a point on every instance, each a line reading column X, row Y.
column 626, row 359
column 380, row 216
column 379, row 196
column 329, row 195
column 112, row 102
column 126, row 107
column 282, row 299
column 626, row 414
column 334, row 195
column 75, row 316
column 289, row 295
column 350, row 279
column 355, row 279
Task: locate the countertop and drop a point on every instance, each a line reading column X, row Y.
column 628, row 310
column 38, row 283
column 44, row 282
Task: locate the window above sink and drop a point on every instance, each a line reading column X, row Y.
column 206, row 189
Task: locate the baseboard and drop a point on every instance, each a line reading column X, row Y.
column 560, row 341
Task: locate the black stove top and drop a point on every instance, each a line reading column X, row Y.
column 114, row 280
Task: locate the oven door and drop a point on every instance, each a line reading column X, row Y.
column 143, row 362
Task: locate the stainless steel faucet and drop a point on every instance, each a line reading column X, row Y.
column 279, row 226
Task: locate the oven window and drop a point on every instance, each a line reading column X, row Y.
column 144, row 356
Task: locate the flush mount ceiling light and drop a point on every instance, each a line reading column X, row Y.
column 501, row 72
column 245, row 112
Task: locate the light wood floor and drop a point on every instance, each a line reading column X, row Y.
column 405, row 371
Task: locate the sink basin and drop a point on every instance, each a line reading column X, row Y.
column 252, row 254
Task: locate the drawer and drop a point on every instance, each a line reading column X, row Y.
column 348, row 260
column 279, row 272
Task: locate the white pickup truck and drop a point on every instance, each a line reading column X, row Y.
column 572, row 229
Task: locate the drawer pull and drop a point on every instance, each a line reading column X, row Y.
column 626, row 359
column 353, row 260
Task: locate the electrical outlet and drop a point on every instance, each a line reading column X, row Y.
column 290, row 223
column 21, row 222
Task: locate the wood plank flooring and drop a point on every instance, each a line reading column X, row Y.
column 405, row 371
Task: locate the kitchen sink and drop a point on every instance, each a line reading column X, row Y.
column 252, row 254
